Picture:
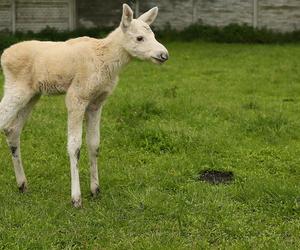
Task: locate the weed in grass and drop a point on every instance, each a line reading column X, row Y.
column 251, row 105
column 271, row 127
column 171, row 92
column 288, row 100
column 156, row 141
column 134, row 113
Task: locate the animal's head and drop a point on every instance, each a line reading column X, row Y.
column 139, row 40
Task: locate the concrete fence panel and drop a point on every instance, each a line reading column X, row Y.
column 23, row 15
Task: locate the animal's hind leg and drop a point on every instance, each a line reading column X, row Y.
column 13, row 101
column 13, row 133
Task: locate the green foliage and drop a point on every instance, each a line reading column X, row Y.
column 232, row 107
column 232, row 33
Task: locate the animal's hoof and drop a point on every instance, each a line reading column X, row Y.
column 77, row 203
column 23, row 188
column 95, row 192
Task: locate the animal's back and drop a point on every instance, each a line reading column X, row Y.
column 21, row 55
column 46, row 66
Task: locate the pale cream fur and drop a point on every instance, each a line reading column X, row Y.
column 84, row 68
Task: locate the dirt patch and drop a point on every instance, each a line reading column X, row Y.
column 216, row 177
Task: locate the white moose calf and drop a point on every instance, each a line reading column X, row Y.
column 86, row 69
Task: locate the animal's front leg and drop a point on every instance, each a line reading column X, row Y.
column 76, row 110
column 93, row 116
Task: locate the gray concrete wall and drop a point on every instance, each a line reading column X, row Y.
column 177, row 13
column 281, row 15
column 34, row 15
column 37, row 14
column 93, row 13
column 5, row 15
column 180, row 14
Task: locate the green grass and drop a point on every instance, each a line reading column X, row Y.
column 223, row 107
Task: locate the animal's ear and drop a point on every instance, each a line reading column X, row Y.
column 149, row 16
column 126, row 17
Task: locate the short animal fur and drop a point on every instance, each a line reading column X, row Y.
column 86, row 69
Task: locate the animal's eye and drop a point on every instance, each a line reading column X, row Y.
column 140, row 38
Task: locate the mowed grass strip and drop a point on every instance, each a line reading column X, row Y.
column 211, row 107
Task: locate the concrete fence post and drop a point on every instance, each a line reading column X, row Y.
column 72, row 14
column 255, row 14
column 194, row 6
column 137, row 8
column 13, row 16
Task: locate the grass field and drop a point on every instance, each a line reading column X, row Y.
column 212, row 106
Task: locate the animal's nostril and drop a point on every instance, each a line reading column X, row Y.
column 164, row 56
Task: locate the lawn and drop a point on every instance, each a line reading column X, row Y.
column 212, row 106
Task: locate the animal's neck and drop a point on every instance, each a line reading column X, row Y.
column 117, row 57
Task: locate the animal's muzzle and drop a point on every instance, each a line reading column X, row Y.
column 162, row 57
